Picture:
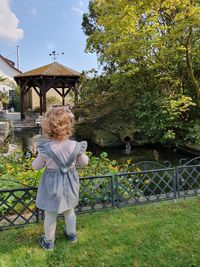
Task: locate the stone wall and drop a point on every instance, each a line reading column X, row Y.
column 112, row 134
column 5, row 133
column 13, row 116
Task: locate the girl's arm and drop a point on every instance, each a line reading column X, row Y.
column 38, row 162
column 82, row 160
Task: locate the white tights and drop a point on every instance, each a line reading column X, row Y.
column 50, row 223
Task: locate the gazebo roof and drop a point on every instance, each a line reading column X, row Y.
column 53, row 69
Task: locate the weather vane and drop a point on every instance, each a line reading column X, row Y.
column 54, row 54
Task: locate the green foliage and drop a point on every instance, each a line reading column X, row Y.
column 160, row 118
column 193, row 135
column 4, row 98
column 2, row 79
column 149, row 53
column 115, row 102
column 103, row 166
column 18, row 168
column 161, row 36
column 15, row 103
column 53, row 100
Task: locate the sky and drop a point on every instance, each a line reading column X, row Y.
column 39, row 27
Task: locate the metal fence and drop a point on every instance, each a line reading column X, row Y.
column 151, row 182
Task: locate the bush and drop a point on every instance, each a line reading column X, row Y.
column 193, row 135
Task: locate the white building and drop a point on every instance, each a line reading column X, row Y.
column 7, row 71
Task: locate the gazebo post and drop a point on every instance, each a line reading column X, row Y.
column 63, row 96
column 44, row 89
column 41, row 102
column 44, row 101
column 75, row 95
column 22, row 106
column 63, row 101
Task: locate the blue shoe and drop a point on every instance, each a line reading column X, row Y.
column 72, row 238
column 46, row 244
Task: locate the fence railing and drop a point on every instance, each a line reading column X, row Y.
column 152, row 182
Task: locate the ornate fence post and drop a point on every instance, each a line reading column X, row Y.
column 117, row 190
column 176, row 187
column 112, row 191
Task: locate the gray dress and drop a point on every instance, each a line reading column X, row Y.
column 58, row 190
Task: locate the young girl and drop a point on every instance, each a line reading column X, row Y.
column 58, row 190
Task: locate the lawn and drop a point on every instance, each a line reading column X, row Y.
column 153, row 235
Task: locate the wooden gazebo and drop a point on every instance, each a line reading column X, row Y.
column 42, row 79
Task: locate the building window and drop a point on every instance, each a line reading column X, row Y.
column 12, row 95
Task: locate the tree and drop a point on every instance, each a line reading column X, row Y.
column 161, row 35
column 4, row 99
column 3, row 95
column 15, row 102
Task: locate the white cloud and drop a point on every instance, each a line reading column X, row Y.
column 34, row 11
column 81, row 4
column 79, row 9
column 9, row 31
column 50, row 45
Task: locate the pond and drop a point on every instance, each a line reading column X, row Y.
column 23, row 138
column 145, row 153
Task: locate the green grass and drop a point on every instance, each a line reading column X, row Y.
column 162, row 234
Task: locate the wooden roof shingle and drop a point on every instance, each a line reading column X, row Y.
column 53, row 69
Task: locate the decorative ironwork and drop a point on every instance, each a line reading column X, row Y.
column 188, row 180
column 152, row 165
column 194, row 161
column 9, row 181
column 144, row 185
column 17, row 205
column 188, row 177
column 96, row 193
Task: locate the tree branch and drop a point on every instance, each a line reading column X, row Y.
column 189, row 64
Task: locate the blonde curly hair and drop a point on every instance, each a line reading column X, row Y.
column 57, row 124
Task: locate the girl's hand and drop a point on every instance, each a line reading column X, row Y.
column 33, row 149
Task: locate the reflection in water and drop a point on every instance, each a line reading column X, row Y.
column 156, row 155
column 128, row 147
column 27, row 139
column 143, row 153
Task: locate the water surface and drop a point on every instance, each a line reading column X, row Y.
column 24, row 138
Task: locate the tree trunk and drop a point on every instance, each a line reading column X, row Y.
column 189, row 64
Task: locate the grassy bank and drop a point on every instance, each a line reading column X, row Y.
column 164, row 234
